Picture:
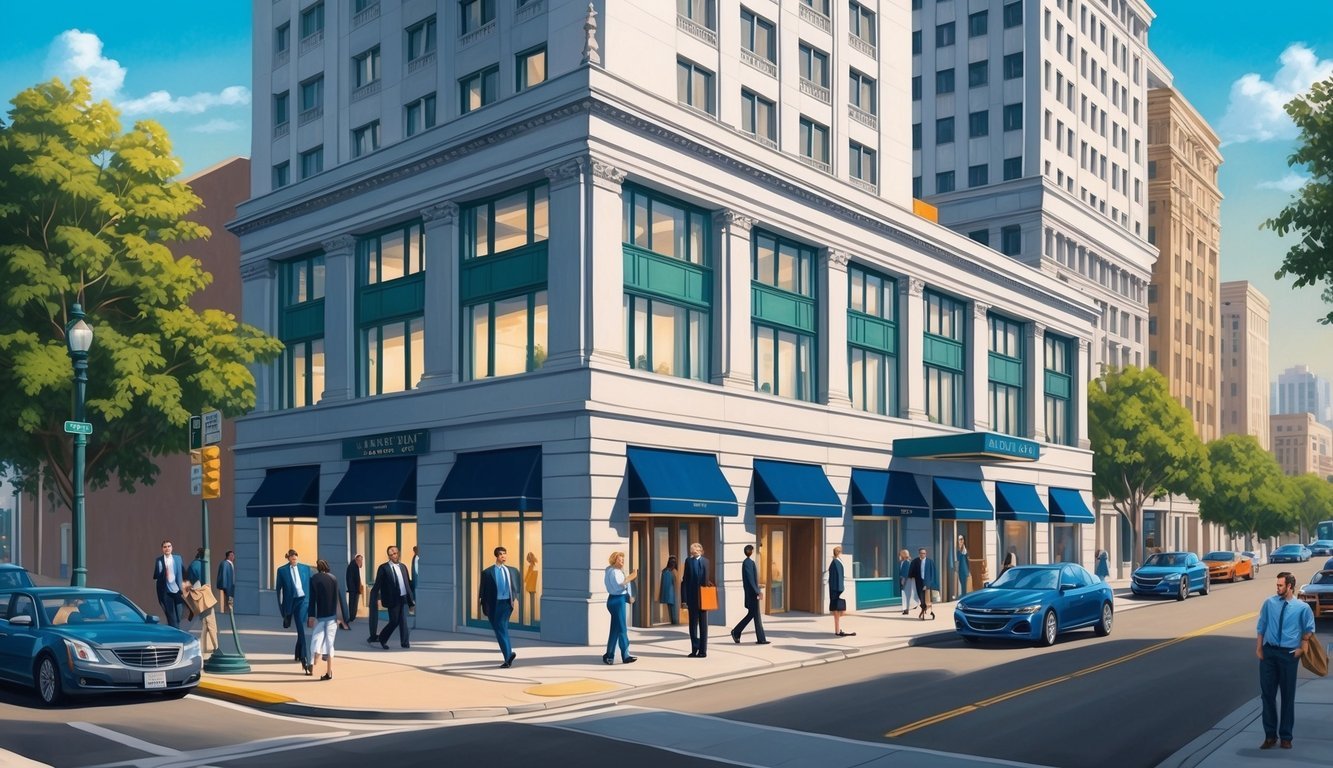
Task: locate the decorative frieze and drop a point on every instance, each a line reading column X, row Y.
column 440, row 213
column 260, row 268
column 734, row 220
column 338, row 244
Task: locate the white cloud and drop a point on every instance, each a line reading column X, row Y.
column 218, row 125
column 159, row 102
column 1255, row 112
column 1289, row 183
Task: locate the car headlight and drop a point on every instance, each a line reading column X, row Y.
column 192, row 649
column 1172, row 577
column 1027, row 610
column 81, row 651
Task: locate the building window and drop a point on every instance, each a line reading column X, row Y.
column 977, row 24
column 916, row 88
column 701, row 12
column 872, row 341
column 916, row 136
column 784, row 343
column 861, row 163
column 1152, row 169
column 1013, row 66
column 759, row 116
column 944, row 182
column 421, row 39
column 978, row 124
column 505, row 336
column 694, row 86
column 312, row 20
column 759, row 36
column 366, row 139
column 1013, row 14
column 282, row 174
column 945, row 360
column 301, row 329
column 916, row 42
column 529, row 69
column 814, row 141
column 862, row 93
column 821, row 6
column 521, row 533
column 478, row 89
column 978, row 74
column 944, row 81
column 1013, row 117
column 665, row 227
column 814, row 65
column 1013, row 168
column 312, row 94
column 513, row 221
column 981, row 236
column 916, row 187
column 861, row 23
column 978, row 175
column 392, row 356
column 944, row 34
column 284, row 533
column 312, row 162
column 666, row 338
column 1006, row 376
column 280, row 108
column 419, row 115
column 944, row 130
column 1011, row 240
column 391, row 335
column 392, row 254
column 282, row 38
column 1059, row 389
column 475, row 14
column 366, row 68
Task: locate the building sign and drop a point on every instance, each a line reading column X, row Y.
column 972, row 446
column 413, row 443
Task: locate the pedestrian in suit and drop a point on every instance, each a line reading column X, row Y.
column 328, row 608
column 394, row 585
column 618, row 595
column 961, row 565
column 837, row 604
column 354, row 586
column 905, row 582
column 293, row 585
column 750, row 582
column 922, row 573
column 695, row 577
column 226, row 581
column 373, row 612
column 1285, row 631
column 666, row 590
column 499, row 597
column 169, row 573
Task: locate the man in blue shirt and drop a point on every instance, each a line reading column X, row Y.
column 1286, row 627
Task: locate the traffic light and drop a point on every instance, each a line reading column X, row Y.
column 211, row 457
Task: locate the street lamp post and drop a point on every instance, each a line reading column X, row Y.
column 79, row 338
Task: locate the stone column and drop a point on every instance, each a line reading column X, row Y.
column 1034, row 380
column 339, row 319
column 733, row 356
column 978, row 363
column 1080, row 394
column 259, row 307
column 912, row 349
column 833, row 328
column 441, row 311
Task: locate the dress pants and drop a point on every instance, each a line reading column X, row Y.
column 398, row 619
column 299, row 608
column 619, row 635
column 352, row 599
column 751, row 614
column 1277, row 674
column 499, row 620
column 171, row 609
column 698, row 630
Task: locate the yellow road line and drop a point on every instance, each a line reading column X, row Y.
column 965, row 709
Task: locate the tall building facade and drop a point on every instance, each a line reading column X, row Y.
column 1300, row 390
column 1243, row 330
column 1302, row 445
column 575, row 282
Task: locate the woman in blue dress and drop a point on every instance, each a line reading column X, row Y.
column 964, row 572
column 1103, row 568
column 666, row 590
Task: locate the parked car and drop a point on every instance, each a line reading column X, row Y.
column 1036, row 603
column 1321, row 548
column 1318, row 594
column 13, row 576
column 1290, row 553
column 1170, row 573
column 1228, row 565
column 76, row 640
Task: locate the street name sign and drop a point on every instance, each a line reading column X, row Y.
column 78, row 428
column 212, row 427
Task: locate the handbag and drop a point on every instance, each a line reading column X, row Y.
column 708, row 598
column 1315, row 659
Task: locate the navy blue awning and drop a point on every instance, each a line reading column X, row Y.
column 1067, row 506
column 957, row 499
column 905, row 499
column 287, row 492
column 507, row 480
column 869, row 489
column 376, row 487
column 663, row 482
column 1019, row 501
column 791, row 489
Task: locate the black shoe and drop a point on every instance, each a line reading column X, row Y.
column 309, row 669
column 407, row 645
column 702, row 655
column 510, row 660
column 629, row 659
column 326, row 676
column 608, row 660
column 904, row 613
column 736, row 637
column 693, row 654
column 372, row 639
column 763, row 642
column 384, row 645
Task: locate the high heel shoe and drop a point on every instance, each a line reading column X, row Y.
column 309, row 669
column 608, row 660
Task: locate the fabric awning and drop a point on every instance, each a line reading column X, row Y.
column 1067, row 506
column 876, row 493
column 376, row 487
column 905, row 498
column 1019, row 501
column 287, row 492
column 791, row 489
column 506, row 480
column 665, row 482
column 957, row 499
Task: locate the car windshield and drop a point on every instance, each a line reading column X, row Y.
column 1166, row 558
column 1323, row 577
column 11, row 578
column 1027, row 578
column 1224, row 557
column 90, row 609
column 1288, row 548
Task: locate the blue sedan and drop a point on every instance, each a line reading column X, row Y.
column 1036, row 603
column 1170, row 574
column 1290, row 553
column 71, row 640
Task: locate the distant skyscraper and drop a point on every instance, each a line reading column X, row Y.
column 1298, row 390
column 1244, row 357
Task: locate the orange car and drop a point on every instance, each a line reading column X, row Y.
column 1229, row 566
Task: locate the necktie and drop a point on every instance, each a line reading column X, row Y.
column 398, row 576
column 1282, row 614
column 296, row 583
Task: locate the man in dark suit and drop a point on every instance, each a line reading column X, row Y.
column 750, row 581
column 922, row 573
column 293, row 585
column 169, row 573
column 354, row 586
column 394, row 585
column 695, row 577
column 499, row 597
column 226, row 580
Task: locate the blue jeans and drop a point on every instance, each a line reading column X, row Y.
column 1277, row 673
column 619, row 635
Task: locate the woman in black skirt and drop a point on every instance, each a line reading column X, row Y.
column 836, row 604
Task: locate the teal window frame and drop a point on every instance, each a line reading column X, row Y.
column 536, row 351
column 370, row 253
column 484, row 85
column 537, row 224
column 1005, row 374
column 413, row 368
column 784, row 313
column 872, row 339
column 692, row 360
column 944, row 359
column 1058, row 387
column 300, row 328
column 385, row 303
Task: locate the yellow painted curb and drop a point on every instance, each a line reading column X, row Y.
column 571, row 688
column 248, row 694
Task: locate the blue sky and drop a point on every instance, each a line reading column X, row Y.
column 187, row 65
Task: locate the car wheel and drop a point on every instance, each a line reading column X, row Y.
column 1049, row 629
column 1250, row 575
column 1103, row 627
column 1184, row 590
column 1206, row 586
column 46, row 680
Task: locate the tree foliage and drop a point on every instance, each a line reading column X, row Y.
column 1310, row 212
column 1143, row 444
column 1249, row 493
column 1312, row 502
column 87, row 215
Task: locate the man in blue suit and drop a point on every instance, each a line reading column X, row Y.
column 695, row 577
column 922, row 573
column 750, row 581
column 227, row 580
column 499, row 597
column 293, row 585
column 169, row 573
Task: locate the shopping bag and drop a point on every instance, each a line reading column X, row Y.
column 708, row 598
column 1315, row 659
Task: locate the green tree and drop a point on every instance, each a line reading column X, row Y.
column 1310, row 213
column 1249, row 493
column 1143, row 444
column 1312, row 502
column 87, row 213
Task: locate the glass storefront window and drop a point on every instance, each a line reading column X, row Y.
column 371, row 538
column 520, row 533
column 1015, row 538
column 1066, row 543
column 875, row 552
column 284, row 533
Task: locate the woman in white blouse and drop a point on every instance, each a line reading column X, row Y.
column 618, row 595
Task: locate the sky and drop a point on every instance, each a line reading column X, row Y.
column 187, row 65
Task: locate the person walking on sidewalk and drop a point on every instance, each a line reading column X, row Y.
column 619, row 594
column 837, row 604
column 1103, row 568
column 168, row 572
column 692, row 582
column 922, row 573
column 964, row 571
column 328, row 612
column 499, row 598
column 226, row 581
column 293, row 586
column 1285, row 631
column 355, row 586
column 750, row 581
column 394, row 585
column 666, row 590
column 905, row 582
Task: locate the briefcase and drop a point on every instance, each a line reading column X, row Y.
column 708, row 598
column 1315, row 659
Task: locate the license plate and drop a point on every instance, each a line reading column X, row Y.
column 155, row 679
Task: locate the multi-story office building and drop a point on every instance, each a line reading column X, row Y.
column 1302, row 445
column 1300, row 390
column 1244, row 356
column 573, row 283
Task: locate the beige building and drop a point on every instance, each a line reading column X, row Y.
column 1302, row 445
column 1244, row 356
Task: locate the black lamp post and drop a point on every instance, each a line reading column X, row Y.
column 79, row 338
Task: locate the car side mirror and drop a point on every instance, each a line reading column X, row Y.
column 22, row 620
column 151, row 619
column 1066, row 587
column 985, row 584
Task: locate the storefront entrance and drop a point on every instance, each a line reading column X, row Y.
column 791, row 564
column 371, row 538
column 946, row 555
column 652, row 542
